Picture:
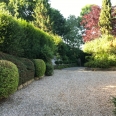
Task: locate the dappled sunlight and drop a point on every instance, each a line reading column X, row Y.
column 109, row 87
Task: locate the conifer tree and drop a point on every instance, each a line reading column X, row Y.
column 105, row 18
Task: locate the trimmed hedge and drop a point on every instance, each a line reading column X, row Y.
column 9, row 78
column 40, row 67
column 49, row 69
column 21, row 38
column 10, row 35
column 25, row 67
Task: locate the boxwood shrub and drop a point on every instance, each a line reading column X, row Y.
column 40, row 67
column 9, row 78
column 49, row 69
column 24, row 65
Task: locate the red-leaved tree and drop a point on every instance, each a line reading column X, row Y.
column 90, row 23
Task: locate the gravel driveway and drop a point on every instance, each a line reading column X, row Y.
column 69, row 92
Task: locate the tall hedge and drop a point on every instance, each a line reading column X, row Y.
column 20, row 38
column 10, row 35
column 105, row 17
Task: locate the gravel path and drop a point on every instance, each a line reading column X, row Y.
column 69, row 92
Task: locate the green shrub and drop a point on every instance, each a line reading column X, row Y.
column 29, row 70
column 25, row 67
column 40, row 67
column 101, row 60
column 9, row 78
column 114, row 101
column 49, row 69
column 100, row 45
column 46, row 53
column 103, row 52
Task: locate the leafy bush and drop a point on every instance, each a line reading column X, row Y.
column 102, row 52
column 104, row 44
column 49, row 69
column 25, row 67
column 29, row 70
column 69, row 55
column 114, row 101
column 40, row 67
column 46, row 53
column 9, row 78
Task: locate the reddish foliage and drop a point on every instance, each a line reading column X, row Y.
column 90, row 23
column 114, row 20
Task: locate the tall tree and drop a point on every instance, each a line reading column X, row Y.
column 20, row 8
column 73, row 37
column 105, row 17
column 89, row 20
column 41, row 16
column 57, row 22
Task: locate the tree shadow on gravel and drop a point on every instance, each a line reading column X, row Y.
column 75, row 69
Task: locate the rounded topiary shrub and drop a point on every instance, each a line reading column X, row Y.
column 40, row 67
column 49, row 69
column 9, row 78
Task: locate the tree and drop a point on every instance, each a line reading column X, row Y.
column 20, row 8
column 113, row 21
column 73, row 37
column 105, row 18
column 41, row 16
column 85, row 10
column 57, row 22
column 90, row 23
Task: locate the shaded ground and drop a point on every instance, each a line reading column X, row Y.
column 69, row 92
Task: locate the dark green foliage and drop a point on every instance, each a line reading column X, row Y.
column 114, row 101
column 57, row 22
column 105, row 18
column 46, row 53
column 40, row 67
column 49, row 69
column 25, row 67
column 29, row 70
column 37, row 43
column 9, row 78
column 73, row 35
column 58, row 62
column 69, row 55
column 65, row 66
